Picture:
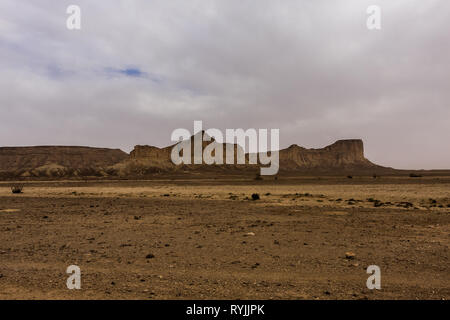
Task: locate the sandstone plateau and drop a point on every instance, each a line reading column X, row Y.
column 341, row 154
column 71, row 161
column 57, row 160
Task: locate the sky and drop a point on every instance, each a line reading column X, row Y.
column 137, row 70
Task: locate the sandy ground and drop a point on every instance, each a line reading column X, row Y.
column 207, row 239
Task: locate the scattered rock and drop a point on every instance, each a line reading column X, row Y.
column 350, row 255
column 377, row 203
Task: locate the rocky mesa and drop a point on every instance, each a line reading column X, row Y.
column 57, row 160
column 144, row 160
column 341, row 154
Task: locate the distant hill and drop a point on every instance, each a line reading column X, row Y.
column 343, row 156
column 57, row 160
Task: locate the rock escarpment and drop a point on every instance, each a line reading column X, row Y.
column 57, row 160
column 341, row 154
column 146, row 159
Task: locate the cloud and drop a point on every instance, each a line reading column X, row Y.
column 138, row 70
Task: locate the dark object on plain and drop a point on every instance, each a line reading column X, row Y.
column 16, row 189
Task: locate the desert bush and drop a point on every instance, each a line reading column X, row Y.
column 255, row 196
column 414, row 175
column 16, row 189
column 350, row 177
column 258, row 177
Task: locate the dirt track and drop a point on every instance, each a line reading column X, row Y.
column 209, row 242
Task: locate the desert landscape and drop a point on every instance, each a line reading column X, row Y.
column 213, row 157
column 212, row 232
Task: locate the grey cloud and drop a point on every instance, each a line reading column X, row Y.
column 310, row 68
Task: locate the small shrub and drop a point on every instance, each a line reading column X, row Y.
column 414, row 175
column 377, row 204
column 258, row 177
column 255, row 196
column 16, row 189
column 350, row 177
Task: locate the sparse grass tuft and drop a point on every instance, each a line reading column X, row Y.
column 255, row 196
column 258, row 177
column 16, row 189
column 414, row 175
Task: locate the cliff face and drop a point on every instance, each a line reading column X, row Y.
column 149, row 152
column 57, row 157
column 56, row 161
column 146, row 159
column 342, row 153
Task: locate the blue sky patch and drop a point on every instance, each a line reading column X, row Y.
column 132, row 72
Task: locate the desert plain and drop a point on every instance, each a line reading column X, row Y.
column 309, row 237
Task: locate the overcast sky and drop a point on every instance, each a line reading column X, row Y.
column 137, row 70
